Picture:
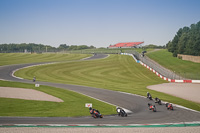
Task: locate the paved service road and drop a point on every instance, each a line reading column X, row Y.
column 136, row 104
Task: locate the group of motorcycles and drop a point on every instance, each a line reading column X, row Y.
column 157, row 100
column 96, row 114
column 121, row 112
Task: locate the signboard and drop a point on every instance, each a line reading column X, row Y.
column 88, row 105
column 37, row 85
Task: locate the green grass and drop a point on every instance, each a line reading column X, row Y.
column 73, row 105
column 21, row 58
column 117, row 72
column 108, row 51
column 186, row 69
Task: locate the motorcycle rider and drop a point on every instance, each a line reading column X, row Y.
column 149, row 105
column 149, row 96
column 120, row 111
column 93, row 112
column 169, row 106
column 157, row 100
column 34, row 79
column 152, row 107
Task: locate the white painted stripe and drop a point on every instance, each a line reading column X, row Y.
column 106, row 56
column 14, row 75
column 99, row 125
column 4, row 80
column 162, row 102
column 156, row 73
column 126, row 110
column 195, row 81
column 186, row 108
column 43, row 64
column 28, row 67
column 179, row 81
column 176, row 81
column 87, row 57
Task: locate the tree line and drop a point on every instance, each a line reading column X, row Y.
column 39, row 48
column 186, row 41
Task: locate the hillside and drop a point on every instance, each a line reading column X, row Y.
column 186, row 69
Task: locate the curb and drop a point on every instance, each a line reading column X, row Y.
column 185, row 124
column 159, row 75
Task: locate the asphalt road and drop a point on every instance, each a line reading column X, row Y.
column 136, row 104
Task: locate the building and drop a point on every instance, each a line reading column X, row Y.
column 126, row 45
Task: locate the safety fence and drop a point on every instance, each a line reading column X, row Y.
column 154, row 65
column 164, row 71
column 160, row 71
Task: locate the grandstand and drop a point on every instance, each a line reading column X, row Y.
column 126, row 45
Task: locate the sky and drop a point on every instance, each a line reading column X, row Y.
column 94, row 22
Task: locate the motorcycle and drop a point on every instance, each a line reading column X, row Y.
column 169, row 106
column 152, row 107
column 121, row 112
column 157, row 100
column 149, row 96
column 95, row 113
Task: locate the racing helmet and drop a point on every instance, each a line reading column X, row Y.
column 90, row 108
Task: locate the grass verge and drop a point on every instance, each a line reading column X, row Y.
column 186, row 69
column 73, row 105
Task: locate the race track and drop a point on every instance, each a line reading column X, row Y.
column 136, row 104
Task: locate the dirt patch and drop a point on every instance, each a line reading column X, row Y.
column 27, row 94
column 186, row 91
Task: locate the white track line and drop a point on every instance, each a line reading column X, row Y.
column 176, row 105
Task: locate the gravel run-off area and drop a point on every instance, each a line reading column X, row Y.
column 188, row 91
column 27, row 94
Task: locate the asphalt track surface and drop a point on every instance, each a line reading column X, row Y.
column 137, row 104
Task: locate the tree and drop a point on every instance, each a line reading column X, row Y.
column 186, row 41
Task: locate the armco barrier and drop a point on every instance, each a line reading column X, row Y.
column 159, row 75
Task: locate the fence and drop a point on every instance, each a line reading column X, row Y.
column 164, row 71
column 189, row 58
column 157, row 67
